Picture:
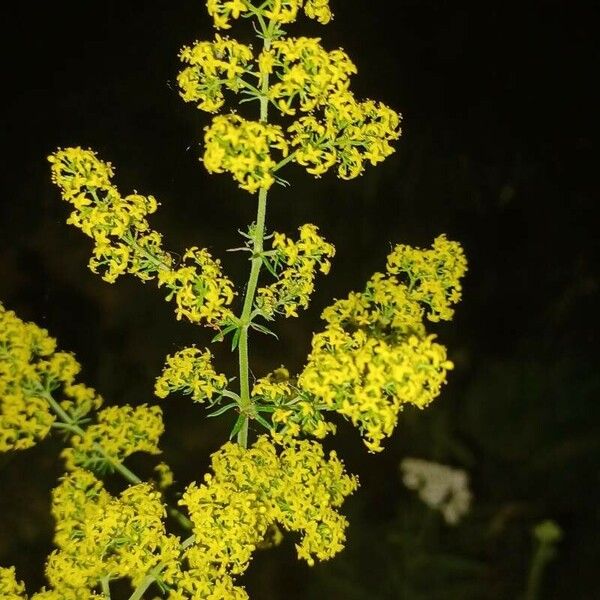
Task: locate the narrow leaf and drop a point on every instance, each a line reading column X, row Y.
column 235, row 339
column 263, row 329
column 269, row 266
column 263, row 422
column 237, row 426
column 221, row 410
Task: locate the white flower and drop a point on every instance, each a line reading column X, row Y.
column 441, row 487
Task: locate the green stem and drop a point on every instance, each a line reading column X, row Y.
column 257, row 248
column 140, row 590
column 159, row 264
column 285, row 161
column 536, row 572
column 154, row 573
column 105, row 583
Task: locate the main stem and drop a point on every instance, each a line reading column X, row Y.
column 258, row 235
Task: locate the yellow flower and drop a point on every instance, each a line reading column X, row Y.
column 123, row 240
column 307, row 75
column 349, row 134
column 433, row 276
column 318, row 10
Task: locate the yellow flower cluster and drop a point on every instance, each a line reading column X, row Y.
column 299, row 488
column 293, row 411
column 201, row 291
column 368, row 379
column 100, row 536
column 338, row 131
column 349, row 134
column 213, row 66
column 124, row 242
column 30, row 370
column 243, row 148
column 190, row 371
column 374, row 355
column 433, row 276
column 306, row 73
column 120, row 431
column 10, row 588
column 296, row 282
column 280, row 11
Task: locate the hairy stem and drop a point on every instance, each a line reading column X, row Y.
column 258, row 235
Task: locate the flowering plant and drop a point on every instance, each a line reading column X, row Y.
column 373, row 356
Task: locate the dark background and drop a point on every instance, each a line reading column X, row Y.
column 496, row 152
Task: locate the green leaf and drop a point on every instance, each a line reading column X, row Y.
column 263, row 422
column 265, row 409
column 239, row 423
column 269, row 266
column 221, row 335
column 222, row 410
column 263, row 329
column 235, row 339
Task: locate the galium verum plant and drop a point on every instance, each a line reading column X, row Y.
column 373, row 356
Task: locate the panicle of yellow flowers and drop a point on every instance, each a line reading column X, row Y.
column 336, row 129
column 190, row 372
column 375, row 355
column 296, row 282
column 251, row 489
column 202, row 293
column 125, row 243
column 307, row 74
column 31, row 369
